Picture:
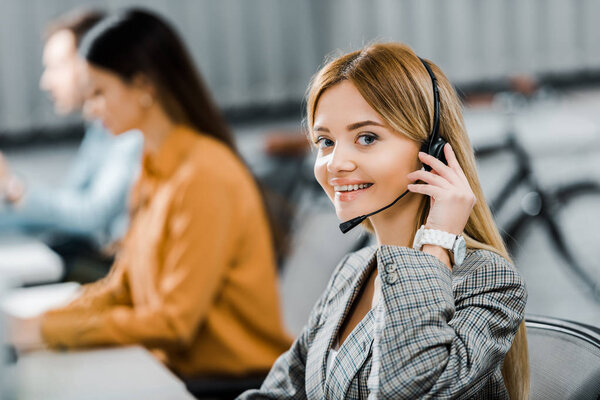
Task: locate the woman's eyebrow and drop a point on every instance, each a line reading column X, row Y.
column 360, row 124
column 350, row 127
column 320, row 128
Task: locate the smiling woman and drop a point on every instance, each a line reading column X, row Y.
column 356, row 147
column 414, row 316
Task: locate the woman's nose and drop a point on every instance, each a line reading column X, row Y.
column 341, row 160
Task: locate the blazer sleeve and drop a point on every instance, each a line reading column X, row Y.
column 286, row 380
column 433, row 342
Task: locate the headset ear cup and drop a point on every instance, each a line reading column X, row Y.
column 438, row 149
column 435, row 149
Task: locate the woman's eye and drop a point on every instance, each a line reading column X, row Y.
column 367, row 140
column 324, row 142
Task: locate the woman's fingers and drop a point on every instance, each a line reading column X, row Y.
column 429, row 190
column 451, row 157
column 429, row 177
column 453, row 162
column 438, row 166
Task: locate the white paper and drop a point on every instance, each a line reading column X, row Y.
column 31, row 302
column 27, row 260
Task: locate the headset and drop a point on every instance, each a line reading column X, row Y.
column 433, row 146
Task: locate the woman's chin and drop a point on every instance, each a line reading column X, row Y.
column 347, row 215
column 116, row 131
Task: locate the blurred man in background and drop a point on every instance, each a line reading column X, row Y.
column 88, row 211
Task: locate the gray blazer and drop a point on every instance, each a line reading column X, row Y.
column 435, row 333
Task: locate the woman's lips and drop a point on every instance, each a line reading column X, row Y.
column 349, row 196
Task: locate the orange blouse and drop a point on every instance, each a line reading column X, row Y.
column 195, row 281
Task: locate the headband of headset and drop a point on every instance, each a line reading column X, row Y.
column 435, row 144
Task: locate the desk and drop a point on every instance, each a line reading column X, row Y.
column 107, row 374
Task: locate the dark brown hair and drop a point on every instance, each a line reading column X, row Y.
column 136, row 42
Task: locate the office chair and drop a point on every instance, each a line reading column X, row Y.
column 222, row 388
column 564, row 359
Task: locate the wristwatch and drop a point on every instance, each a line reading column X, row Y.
column 455, row 244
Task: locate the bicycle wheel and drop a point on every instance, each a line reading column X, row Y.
column 575, row 229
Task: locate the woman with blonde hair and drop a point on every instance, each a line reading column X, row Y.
column 435, row 309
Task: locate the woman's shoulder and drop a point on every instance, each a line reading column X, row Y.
column 210, row 149
column 479, row 264
column 348, row 268
column 211, row 159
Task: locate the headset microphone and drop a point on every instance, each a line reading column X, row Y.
column 434, row 146
column 348, row 225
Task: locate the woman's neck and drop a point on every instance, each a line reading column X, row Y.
column 395, row 226
column 156, row 127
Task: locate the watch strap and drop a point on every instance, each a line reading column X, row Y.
column 433, row 236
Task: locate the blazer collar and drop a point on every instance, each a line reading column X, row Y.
column 350, row 358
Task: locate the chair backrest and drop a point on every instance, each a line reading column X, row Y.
column 564, row 359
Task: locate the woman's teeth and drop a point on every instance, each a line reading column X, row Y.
column 349, row 188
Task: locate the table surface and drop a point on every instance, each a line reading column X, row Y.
column 108, row 374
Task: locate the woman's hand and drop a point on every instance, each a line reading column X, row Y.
column 11, row 188
column 4, row 175
column 451, row 196
column 25, row 334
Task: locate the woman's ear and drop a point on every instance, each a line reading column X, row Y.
column 142, row 82
column 146, row 90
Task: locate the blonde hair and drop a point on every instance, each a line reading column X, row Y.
column 394, row 82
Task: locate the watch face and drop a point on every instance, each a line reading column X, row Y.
column 459, row 250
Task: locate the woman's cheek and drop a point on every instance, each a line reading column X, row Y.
column 320, row 171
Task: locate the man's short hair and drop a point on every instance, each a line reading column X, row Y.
column 77, row 21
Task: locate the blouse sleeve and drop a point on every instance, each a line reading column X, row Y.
column 202, row 229
column 94, row 299
column 436, row 341
column 86, row 211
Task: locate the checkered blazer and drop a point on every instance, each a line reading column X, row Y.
column 435, row 333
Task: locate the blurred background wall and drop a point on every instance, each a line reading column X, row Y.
column 263, row 52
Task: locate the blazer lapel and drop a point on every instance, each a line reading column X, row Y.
column 328, row 335
column 350, row 358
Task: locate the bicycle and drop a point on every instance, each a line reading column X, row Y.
column 554, row 207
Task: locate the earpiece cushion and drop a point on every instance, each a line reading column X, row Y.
column 436, row 149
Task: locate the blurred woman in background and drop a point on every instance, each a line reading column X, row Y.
column 88, row 211
column 195, row 281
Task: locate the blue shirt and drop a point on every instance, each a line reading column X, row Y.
column 93, row 200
